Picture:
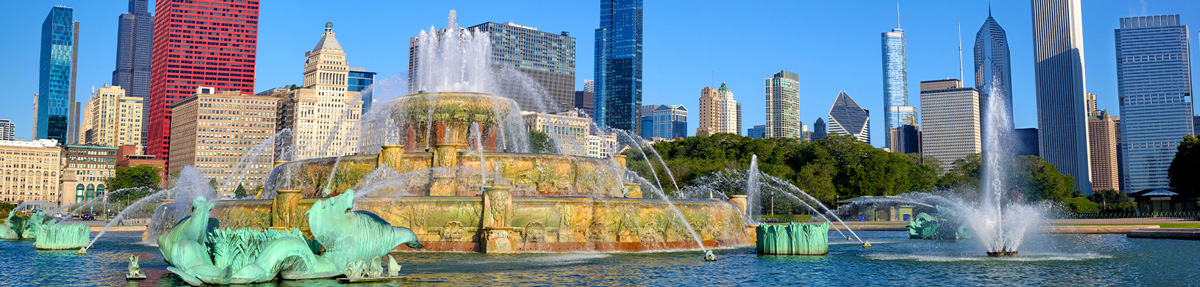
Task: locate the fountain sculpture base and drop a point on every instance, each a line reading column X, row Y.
column 1002, row 253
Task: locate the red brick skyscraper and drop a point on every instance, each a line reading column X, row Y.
column 209, row 43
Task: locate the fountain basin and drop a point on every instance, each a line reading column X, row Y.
column 793, row 239
column 62, row 236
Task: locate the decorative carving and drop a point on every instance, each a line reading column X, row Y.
column 453, row 231
column 535, row 232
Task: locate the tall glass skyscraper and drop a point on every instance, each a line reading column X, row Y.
column 896, row 111
column 135, row 33
column 1154, row 79
column 54, row 76
column 1059, row 78
column 993, row 74
column 359, row 80
column 618, row 67
column 783, row 105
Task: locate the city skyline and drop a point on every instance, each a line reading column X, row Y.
column 676, row 61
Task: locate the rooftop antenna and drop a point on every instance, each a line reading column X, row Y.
column 897, row 15
column 960, row 65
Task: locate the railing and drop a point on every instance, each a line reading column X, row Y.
column 1195, row 215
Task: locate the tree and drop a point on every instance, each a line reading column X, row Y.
column 137, row 176
column 1112, row 200
column 540, row 142
column 1184, row 172
column 213, row 183
column 239, row 192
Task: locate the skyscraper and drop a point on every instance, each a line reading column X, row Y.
column 993, row 74
column 1060, row 85
column 361, row 80
column 846, row 117
column 783, row 105
column 231, row 123
column 1103, row 148
column 718, row 112
column 189, row 56
column 664, row 121
column 114, row 118
column 757, row 131
column 135, row 31
column 896, row 111
column 55, row 78
column 950, row 121
column 819, row 131
column 618, row 66
column 548, row 58
column 7, row 130
column 323, row 108
column 1154, row 79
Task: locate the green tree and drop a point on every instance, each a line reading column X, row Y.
column 1112, row 201
column 1184, row 172
column 540, row 142
column 137, row 176
column 239, row 192
column 213, row 183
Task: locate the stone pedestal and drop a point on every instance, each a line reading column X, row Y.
column 283, row 209
column 740, row 201
column 633, row 190
column 497, row 211
column 445, row 157
column 391, row 156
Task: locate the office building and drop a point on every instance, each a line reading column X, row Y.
column 1090, row 104
column 585, row 101
column 993, row 77
column 135, row 32
column 950, row 121
column 896, row 111
column 216, row 130
column 7, row 130
column 819, row 129
column 56, row 75
column 758, row 131
column 1102, row 139
column 906, row 138
column 719, row 113
column 846, row 117
column 32, row 170
column 618, row 68
column 324, row 107
column 573, row 133
column 113, row 118
column 360, row 81
column 87, row 169
column 225, row 61
column 1026, row 142
column 1154, row 79
column 1060, row 86
column 664, row 121
column 783, row 105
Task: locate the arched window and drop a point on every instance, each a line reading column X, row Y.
column 91, row 191
column 79, row 190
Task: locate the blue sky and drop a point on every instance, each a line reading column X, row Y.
column 832, row 45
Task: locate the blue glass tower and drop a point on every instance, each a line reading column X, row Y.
column 896, row 111
column 54, row 77
column 618, row 93
column 993, row 75
column 1154, row 82
column 359, row 80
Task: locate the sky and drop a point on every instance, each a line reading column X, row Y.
column 833, row 45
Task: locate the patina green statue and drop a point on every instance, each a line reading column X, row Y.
column 62, row 236
column 943, row 226
column 11, row 229
column 793, row 239
column 346, row 236
column 16, row 227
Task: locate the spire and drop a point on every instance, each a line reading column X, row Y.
column 897, row 15
column 328, row 41
column 989, row 9
column 723, row 88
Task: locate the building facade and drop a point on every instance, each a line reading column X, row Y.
column 950, row 121
column 56, row 75
column 993, row 76
column 820, row 130
column 215, row 132
column 1154, row 79
column 135, row 33
column 758, row 131
column 719, row 113
column 906, row 139
column 187, row 56
column 7, row 130
column 846, row 117
column 618, row 68
column 1102, row 139
column 31, row 170
column 322, row 114
column 783, row 105
column 896, row 111
column 573, row 133
column 1060, row 85
column 360, row 80
column 113, row 118
column 548, row 58
column 1026, row 141
column 585, row 102
column 87, row 169
column 664, row 121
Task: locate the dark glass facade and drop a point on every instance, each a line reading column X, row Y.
column 54, row 76
column 757, row 131
column 135, row 33
column 618, row 69
column 359, row 80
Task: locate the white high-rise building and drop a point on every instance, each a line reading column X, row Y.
column 112, row 118
column 949, row 121
column 719, row 113
column 1060, row 86
column 322, row 114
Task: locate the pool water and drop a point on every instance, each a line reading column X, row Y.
column 1073, row 260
